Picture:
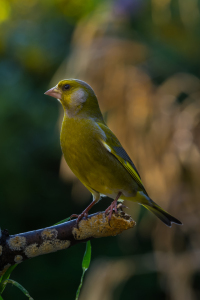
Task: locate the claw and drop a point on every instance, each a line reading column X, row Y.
column 74, row 216
column 112, row 206
column 84, row 213
column 80, row 217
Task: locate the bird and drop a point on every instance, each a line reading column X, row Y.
column 95, row 155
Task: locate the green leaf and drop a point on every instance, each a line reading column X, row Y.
column 63, row 221
column 5, row 276
column 1, row 298
column 19, row 286
column 87, row 257
column 85, row 266
column 80, row 285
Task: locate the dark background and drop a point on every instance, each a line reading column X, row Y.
column 142, row 60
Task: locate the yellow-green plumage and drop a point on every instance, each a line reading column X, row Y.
column 94, row 153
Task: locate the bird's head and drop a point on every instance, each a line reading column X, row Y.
column 76, row 97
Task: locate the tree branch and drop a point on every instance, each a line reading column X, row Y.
column 14, row 249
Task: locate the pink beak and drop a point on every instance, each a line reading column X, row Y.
column 54, row 92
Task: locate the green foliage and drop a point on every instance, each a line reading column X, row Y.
column 85, row 266
column 63, row 221
column 5, row 277
column 87, row 257
column 19, row 286
column 4, row 280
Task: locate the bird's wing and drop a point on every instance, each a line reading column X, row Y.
column 115, row 148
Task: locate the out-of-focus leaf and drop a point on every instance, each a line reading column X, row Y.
column 5, row 277
column 19, row 286
column 85, row 266
column 87, row 256
column 63, row 221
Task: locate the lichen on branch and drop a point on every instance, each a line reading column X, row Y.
column 17, row 248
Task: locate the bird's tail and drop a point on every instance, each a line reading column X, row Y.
column 164, row 216
column 144, row 200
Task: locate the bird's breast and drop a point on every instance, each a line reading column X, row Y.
column 90, row 161
column 80, row 143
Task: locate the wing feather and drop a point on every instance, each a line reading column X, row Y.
column 115, row 148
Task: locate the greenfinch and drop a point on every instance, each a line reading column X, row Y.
column 95, row 155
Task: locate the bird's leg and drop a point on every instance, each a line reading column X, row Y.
column 113, row 206
column 85, row 212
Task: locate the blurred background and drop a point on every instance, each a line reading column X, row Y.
column 142, row 60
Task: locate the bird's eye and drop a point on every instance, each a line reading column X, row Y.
column 66, row 87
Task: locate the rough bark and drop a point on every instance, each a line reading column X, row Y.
column 14, row 249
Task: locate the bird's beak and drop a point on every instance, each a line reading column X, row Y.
column 54, row 92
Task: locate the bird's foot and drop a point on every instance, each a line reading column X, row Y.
column 73, row 216
column 83, row 214
column 112, row 207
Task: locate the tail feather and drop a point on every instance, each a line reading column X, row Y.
column 144, row 200
column 164, row 216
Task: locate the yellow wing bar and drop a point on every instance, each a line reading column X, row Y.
column 127, row 165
